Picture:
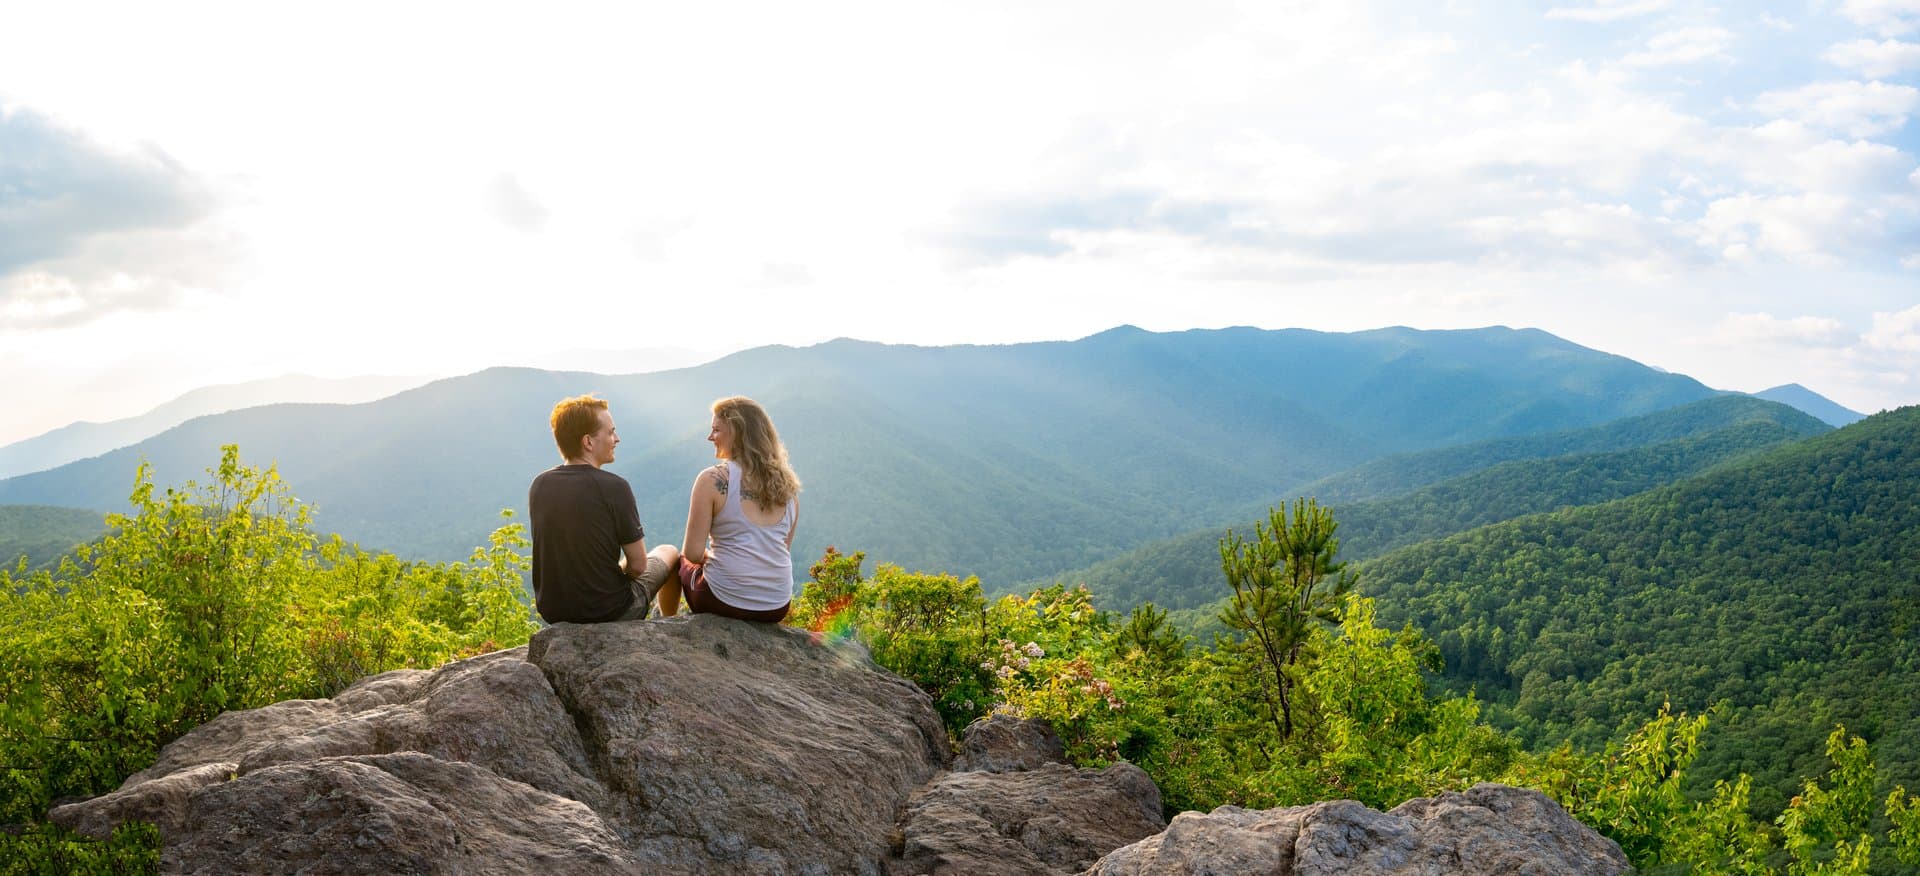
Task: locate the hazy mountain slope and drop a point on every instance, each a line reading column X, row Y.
column 1405, row 472
column 82, row 440
column 42, row 533
column 1011, row 462
column 1784, row 585
column 1813, row 403
column 1184, row 571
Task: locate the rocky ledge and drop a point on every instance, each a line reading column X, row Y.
column 705, row 745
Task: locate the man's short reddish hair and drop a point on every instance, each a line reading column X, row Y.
column 573, row 419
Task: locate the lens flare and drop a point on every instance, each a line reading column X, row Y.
column 834, row 623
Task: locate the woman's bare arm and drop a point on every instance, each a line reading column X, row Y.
column 709, row 490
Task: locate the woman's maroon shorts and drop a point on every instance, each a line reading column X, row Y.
column 700, row 600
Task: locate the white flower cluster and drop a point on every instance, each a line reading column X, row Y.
column 1013, row 660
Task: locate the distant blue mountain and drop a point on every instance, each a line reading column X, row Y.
column 1812, row 403
column 83, row 439
column 1011, row 462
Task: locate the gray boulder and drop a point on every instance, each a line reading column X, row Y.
column 1003, row 743
column 1012, row 805
column 1489, row 829
column 674, row 745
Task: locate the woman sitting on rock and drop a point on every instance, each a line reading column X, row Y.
column 738, row 560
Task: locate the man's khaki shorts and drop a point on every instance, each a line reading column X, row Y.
column 645, row 586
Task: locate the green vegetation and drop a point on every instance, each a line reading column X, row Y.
column 1781, row 589
column 1318, row 701
column 1278, row 596
column 1610, row 462
column 39, row 535
column 203, row 600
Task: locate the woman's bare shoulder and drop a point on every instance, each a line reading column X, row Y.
column 714, row 476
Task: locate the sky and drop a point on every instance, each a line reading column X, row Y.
column 200, row 193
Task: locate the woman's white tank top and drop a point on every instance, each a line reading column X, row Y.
column 750, row 566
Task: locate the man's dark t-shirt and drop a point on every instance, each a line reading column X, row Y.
column 581, row 515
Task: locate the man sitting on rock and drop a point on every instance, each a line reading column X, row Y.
column 590, row 557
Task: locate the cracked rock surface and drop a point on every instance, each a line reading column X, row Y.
column 686, row 745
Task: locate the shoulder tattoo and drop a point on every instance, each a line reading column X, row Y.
column 720, row 478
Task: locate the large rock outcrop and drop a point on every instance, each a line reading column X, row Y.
column 689, row 745
column 1489, row 829
column 705, row 745
column 683, row 745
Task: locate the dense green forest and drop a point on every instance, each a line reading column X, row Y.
column 41, row 534
column 1784, row 589
column 1439, row 493
column 1010, row 462
column 1312, row 699
column 1404, row 472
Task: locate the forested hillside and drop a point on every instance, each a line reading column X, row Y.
column 1785, row 587
column 1500, row 483
column 1405, row 472
column 42, row 533
column 1011, row 462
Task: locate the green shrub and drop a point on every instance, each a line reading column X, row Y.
column 206, row 599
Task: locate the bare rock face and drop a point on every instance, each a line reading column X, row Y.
column 681, row 745
column 743, row 747
column 1002, row 743
column 1013, row 806
column 1489, row 829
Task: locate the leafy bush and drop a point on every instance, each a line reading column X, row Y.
column 206, row 599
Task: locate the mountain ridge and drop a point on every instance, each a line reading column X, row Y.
column 1409, row 497
column 85, row 438
column 1008, row 462
column 1815, row 404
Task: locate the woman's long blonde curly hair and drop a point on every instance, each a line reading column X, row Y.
column 768, row 477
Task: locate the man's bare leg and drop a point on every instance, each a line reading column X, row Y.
column 668, row 597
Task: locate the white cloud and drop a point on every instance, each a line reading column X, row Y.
column 1607, row 10
column 1787, row 156
column 514, row 206
column 785, row 274
column 1684, row 46
column 1857, row 109
column 138, row 271
column 1896, row 332
column 1888, row 17
column 1875, row 59
column 1742, row 329
column 60, row 188
column 1811, row 228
